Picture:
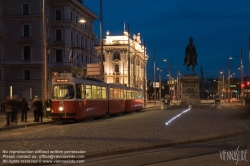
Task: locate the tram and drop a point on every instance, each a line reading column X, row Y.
column 77, row 98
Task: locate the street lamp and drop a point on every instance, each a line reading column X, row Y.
column 154, row 84
column 45, row 76
column 228, row 86
column 222, row 84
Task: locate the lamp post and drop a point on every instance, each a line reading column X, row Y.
column 144, row 79
column 101, row 42
column 222, row 84
column 154, row 78
column 45, row 76
column 228, row 86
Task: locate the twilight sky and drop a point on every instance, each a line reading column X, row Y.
column 219, row 28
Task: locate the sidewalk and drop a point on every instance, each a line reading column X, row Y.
column 30, row 119
column 20, row 124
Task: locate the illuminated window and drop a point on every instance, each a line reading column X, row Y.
column 99, row 92
column 104, row 92
column 88, row 92
column 128, row 94
column 116, row 56
column 94, row 92
column 80, row 91
column 116, row 68
column 117, row 80
column 111, row 93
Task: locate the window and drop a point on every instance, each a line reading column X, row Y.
column 88, row 92
column 116, row 56
column 116, row 80
column 111, row 93
column 71, row 16
column 58, row 34
column 76, row 38
column 104, row 93
column 27, row 74
column 59, row 57
column 80, row 91
column 94, row 92
column 116, row 68
column 58, row 15
column 26, row 30
column 26, row 9
column 71, row 33
column 26, row 53
column 76, row 19
column 82, row 58
column 81, row 40
column 0, row 74
column 63, row 91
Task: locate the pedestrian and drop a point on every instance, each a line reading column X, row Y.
column 15, row 108
column 47, row 106
column 40, row 110
column 3, row 106
column 24, row 109
column 35, row 109
column 8, row 110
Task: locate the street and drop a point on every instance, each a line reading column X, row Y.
column 136, row 132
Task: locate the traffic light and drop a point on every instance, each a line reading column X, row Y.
column 248, row 83
column 242, row 85
column 236, row 91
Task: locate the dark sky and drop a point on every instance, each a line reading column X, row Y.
column 219, row 29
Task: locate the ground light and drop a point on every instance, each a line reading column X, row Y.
column 168, row 122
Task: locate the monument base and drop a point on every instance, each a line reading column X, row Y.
column 190, row 90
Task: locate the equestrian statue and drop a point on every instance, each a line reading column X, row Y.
column 190, row 56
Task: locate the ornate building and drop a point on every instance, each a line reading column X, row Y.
column 120, row 52
column 69, row 43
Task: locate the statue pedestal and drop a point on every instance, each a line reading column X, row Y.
column 190, row 90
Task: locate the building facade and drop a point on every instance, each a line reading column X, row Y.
column 121, row 54
column 69, row 43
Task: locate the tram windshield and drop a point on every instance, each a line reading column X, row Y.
column 63, row 91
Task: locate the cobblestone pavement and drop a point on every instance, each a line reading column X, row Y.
column 131, row 130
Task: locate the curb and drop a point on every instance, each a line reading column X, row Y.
column 24, row 126
column 121, row 150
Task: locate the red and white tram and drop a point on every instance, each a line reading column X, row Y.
column 76, row 98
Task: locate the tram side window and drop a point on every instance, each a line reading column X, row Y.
column 139, row 95
column 125, row 94
column 122, row 94
column 79, row 91
column 104, row 92
column 128, row 94
column 94, row 92
column 99, row 92
column 111, row 93
column 116, row 93
column 88, row 92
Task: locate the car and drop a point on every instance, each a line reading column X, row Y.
column 235, row 100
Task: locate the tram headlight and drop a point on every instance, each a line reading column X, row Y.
column 60, row 108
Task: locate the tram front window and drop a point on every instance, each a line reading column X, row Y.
column 63, row 91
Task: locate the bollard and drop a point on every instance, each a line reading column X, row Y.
column 217, row 104
column 190, row 105
column 162, row 104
